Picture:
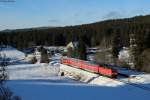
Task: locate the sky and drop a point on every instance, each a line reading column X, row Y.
column 16, row 14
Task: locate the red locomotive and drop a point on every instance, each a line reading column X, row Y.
column 98, row 69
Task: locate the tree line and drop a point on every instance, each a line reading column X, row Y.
column 95, row 34
column 110, row 33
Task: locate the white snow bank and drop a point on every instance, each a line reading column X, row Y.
column 124, row 54
column 90, row 78
column 73, row 72
column 50, row 90
column 31, row 71
column 104, row 81
column 138, row 78
column 13, row 53
column 41, row 83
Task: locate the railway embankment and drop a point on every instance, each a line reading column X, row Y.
column 87, row 77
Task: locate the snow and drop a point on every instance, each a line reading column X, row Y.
column 41, row 82
column 90, row 78
column 104, row 81
column 124, row 55
column 139, row 78
column 31, row 71
column 31, row 90
column 15, row 56
column 13, row 53
column 85, row 76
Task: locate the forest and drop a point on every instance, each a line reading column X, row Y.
column 115, row 33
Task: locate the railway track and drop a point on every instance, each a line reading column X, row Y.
column 134, row 84
column 130, row 83
column 125, row 81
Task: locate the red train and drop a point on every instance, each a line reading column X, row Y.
column 98, row 69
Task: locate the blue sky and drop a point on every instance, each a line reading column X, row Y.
column 37, row 13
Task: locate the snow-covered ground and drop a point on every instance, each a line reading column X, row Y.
column 77, row 74
column 50, row 90
column 31, row 71
column 37, row 81
column 15, row 56
column 139, row 78
column 13, row 53
column 121, row 90
column 40, row 82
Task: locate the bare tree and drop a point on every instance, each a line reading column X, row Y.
column 5, row 93
column 3, row 65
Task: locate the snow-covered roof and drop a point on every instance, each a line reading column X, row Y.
column 72, row 44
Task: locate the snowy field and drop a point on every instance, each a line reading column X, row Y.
column 118, row 89
column 13, row 55
column 41, row 82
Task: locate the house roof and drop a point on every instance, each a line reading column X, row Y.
column 72, row 44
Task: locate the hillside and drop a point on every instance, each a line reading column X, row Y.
column 42, row 82
column 105, row 34
column 95, row 33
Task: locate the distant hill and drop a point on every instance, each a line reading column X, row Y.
column 95, row 33
column 25, row 29
column 136, row 19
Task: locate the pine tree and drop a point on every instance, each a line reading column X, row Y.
column 117, row 44
column 82, row 49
